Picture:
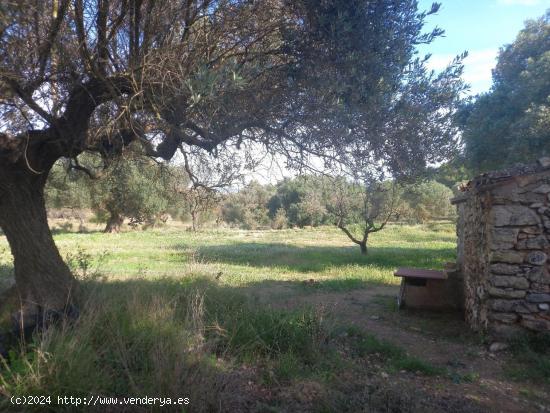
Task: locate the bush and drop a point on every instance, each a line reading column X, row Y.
column 280, row 220
column 247, row 208
column 426, row 201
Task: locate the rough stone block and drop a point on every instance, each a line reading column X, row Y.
column 502, row 293
column 509, row 257
column 529, row 198
column 525, row 308
column 504, row 331
column 506, row 318
column 505, row 194
column 510, row 281
column 535, row 323
column 531, row 230
column 538, row 298
column 536, row 258
column 504, row 238
column 514, row 215
column 544, row 162
column 544, row 307
column 505, row 269
column 537, row 243
column 503, row 306
column 539, row 288
column 538, row 275
column 543, row 189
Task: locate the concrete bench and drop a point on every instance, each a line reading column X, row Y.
column 421, row 288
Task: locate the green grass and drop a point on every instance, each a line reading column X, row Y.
column 252, row 257
column 531, row 358
column 395, row 357
column 167, row 338
column 169, row 313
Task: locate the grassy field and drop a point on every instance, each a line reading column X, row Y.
column 239, row 321
column 250, row 257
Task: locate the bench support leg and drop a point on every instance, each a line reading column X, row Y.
column 401, row 296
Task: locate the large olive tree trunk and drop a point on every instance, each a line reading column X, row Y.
column 43, row 281
column 114, row 223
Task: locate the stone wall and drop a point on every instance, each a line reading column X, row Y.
column 504, row 249
column 473, row 258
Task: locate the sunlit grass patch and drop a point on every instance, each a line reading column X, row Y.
column 250, row 257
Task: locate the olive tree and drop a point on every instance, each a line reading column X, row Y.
column 362, row 208
column 335, row 79
column 132, row 187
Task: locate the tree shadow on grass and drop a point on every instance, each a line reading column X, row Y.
column 6, row 272
column 221, row 300
column 316, row 259
column 56, row 230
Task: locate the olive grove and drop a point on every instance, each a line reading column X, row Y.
column 339, row 80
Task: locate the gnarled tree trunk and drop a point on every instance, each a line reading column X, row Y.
column 43, row 280
column 194, row 220
column 361, row 242
column 114, row 223
column 363, row 246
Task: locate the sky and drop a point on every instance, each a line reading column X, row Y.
column 480, row 27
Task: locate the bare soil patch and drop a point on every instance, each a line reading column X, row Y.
column 475, row 375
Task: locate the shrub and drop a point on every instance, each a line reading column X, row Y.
column 426, row 201
column 280, row 220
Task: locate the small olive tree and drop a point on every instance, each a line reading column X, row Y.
column 360, row 209
column 133, row 187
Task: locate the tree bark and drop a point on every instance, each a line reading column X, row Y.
column 114, row 223
column 361, row 242
column 43, row 281
column 194, row 220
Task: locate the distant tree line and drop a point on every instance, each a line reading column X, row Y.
column 143, row 192
column 312, row 201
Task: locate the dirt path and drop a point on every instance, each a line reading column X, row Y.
column 441, row 339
